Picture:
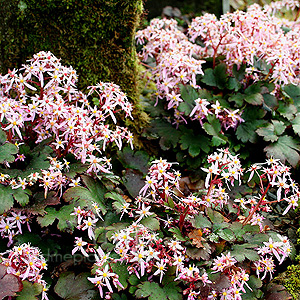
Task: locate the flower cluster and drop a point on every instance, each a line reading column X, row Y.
column 279, row 179
column 146, row 253
column 228, row 118
column 50, row 179
column 250, row 37
column 86, row 220
column 176, row 65
column 40, row 101
column 11, row 224
column 270, row 249
column 237, row 277
column 104, row 274
column 27, row 263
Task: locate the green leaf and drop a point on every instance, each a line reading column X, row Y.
column 293, row 91
column 286, row 149
column 22, row 196
column 173, row 291
column 151, row 290
column 216, row 77
column 151, row 223
column 255, row 239
column 120, row 296
column 253, row 89
column 134, row 160
column 177, row 234
column 201, row 221
column 3, row 136
column 115, row 196
column 270, row 101
column 49, row 218
column 209, row 77
column 121, row 270
column 279, row 127
column 253, row 119
column 254, row 282
column 188, row 95
column 133, row 280
column 239, row 74
column 6, row 198
column 75, row 169
column 214, row 216
column 7, row 152
column 296, row 124
column 30, row 291
column 246, row 132
column 65, row 221
column 241, row 252
column 214, row 128
column 39, row 160
column 72, row 287
column 271, row 131
column 287, row 110
column 251, row 254
column 169, row 136
column 254, row 99
column 97, row 190
column 194, row 143
column 226, row 234
column 233, row 84
column 221, row 75
column 238, row 99
column 255, row 293
column 87, row 196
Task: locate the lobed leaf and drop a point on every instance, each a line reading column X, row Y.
column 296, row 124
column 286, row 149
column 201, row 221
column 151, row 223
column 153, row 291
column 213, row 127
column 7, row 152
column 134, row 160
column 78, row 287
column 189, row 95
column 121, row 270
column 30, row 291
column 194, row 143
column 271, row 131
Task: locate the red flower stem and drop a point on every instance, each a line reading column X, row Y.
column 257, row 205
column 182, row 217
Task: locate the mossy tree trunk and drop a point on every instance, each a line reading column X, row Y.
column 96, row 37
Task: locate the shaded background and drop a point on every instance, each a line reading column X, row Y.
column 153, row 8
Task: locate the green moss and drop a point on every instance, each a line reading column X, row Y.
column 290, row 279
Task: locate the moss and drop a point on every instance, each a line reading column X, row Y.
column 95, row 37
column 290, row 279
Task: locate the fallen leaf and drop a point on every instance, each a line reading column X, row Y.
column 196, row 237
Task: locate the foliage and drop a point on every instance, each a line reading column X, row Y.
column 142, row 230
column 217, row 94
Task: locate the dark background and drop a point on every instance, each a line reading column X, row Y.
column 153, row 8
